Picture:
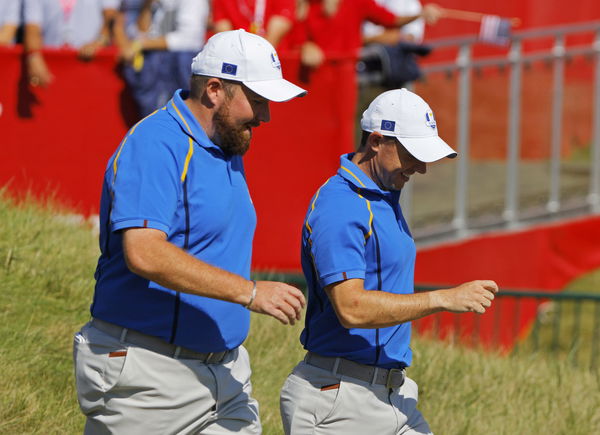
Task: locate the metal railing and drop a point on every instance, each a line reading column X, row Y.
column 462, row 223
column 561, row 325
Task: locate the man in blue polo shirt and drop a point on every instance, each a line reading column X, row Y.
column 162, row 353
column 358, row 258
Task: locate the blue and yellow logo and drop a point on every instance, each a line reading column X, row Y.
column 430, row 120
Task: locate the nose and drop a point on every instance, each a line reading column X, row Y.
column 264, row 112
column 421, row 168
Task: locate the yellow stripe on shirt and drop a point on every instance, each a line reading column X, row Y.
column 190, row 147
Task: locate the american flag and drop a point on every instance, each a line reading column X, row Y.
column 494, row 30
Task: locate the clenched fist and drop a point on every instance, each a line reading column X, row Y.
column 473, row 296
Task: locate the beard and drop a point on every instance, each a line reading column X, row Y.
column 232, row 139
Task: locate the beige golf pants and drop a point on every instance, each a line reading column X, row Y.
column 314, row 402
column 124, row 389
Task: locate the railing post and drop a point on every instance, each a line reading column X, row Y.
column 464, row 108
column 594, row 195
column 511, row 204
column 558, row 51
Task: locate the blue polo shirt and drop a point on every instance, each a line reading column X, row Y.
column 168, row 175
column 353, row 229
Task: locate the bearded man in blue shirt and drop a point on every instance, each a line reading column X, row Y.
column 163, row 352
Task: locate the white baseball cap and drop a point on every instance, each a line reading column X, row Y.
column 407, row 116
column 248, row 58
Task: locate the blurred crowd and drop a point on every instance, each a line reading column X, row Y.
column 157, row 39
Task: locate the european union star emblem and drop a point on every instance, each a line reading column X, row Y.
column 229, row 68
column 388, row 125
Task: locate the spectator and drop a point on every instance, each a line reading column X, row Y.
column 390, row 54
column 413, row 31
column 81, row 24
column 271, row 19
column 10, row 19
column 157, row 40
column 333, row 27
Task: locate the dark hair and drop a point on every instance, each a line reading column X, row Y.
column 365, row 137
column 198, row 84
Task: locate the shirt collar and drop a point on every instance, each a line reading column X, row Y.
column 186, row 119
column 354, row 175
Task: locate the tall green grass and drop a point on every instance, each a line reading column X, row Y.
column 46, row 285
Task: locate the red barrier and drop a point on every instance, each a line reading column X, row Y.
column 545, row 258
column 58, row 140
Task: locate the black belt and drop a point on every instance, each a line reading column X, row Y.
column 156, row 344
column 391, row 378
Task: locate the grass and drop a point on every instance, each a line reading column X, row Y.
column 46, row 284
column 568, row 329
column 46, row 269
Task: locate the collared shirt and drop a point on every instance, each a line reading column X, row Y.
column 181, row 22
column 168, row 175
column 353, row 229
column 73, row 27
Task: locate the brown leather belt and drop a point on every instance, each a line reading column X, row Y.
column 156, row 344
column 391, row 378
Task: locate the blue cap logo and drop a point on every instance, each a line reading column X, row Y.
column 430, row 120
column 388, row 125
column 229, row 68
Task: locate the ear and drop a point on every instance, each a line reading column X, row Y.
column 374, row 141
column 214, row 92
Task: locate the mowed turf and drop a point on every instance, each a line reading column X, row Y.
column 46, row 285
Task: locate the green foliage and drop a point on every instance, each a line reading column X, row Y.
column 46, row 286
column 46, row 282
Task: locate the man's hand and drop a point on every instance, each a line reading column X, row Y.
column 278, row 300
column 88, row 51
column 311, row 54
column 37, row 70
column 431, row 13
column 473, row 296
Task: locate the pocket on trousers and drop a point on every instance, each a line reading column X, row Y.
column 297, row 403
column 328, row 402
column 95, row 371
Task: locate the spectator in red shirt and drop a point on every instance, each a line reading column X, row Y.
column 271, row 19
column 333, row 27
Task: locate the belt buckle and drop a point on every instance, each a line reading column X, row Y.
column 390, row 375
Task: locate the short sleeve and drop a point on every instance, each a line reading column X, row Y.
column 10, row 12
column 146, row 185
column 111, row 4
column 219, row 10
column 191, row 21
column 338, row 234
column 283, row 8
column 32, row 12
column 377, row 13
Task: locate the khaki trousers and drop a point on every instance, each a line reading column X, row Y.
column 312, row 403
column 125, row 389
